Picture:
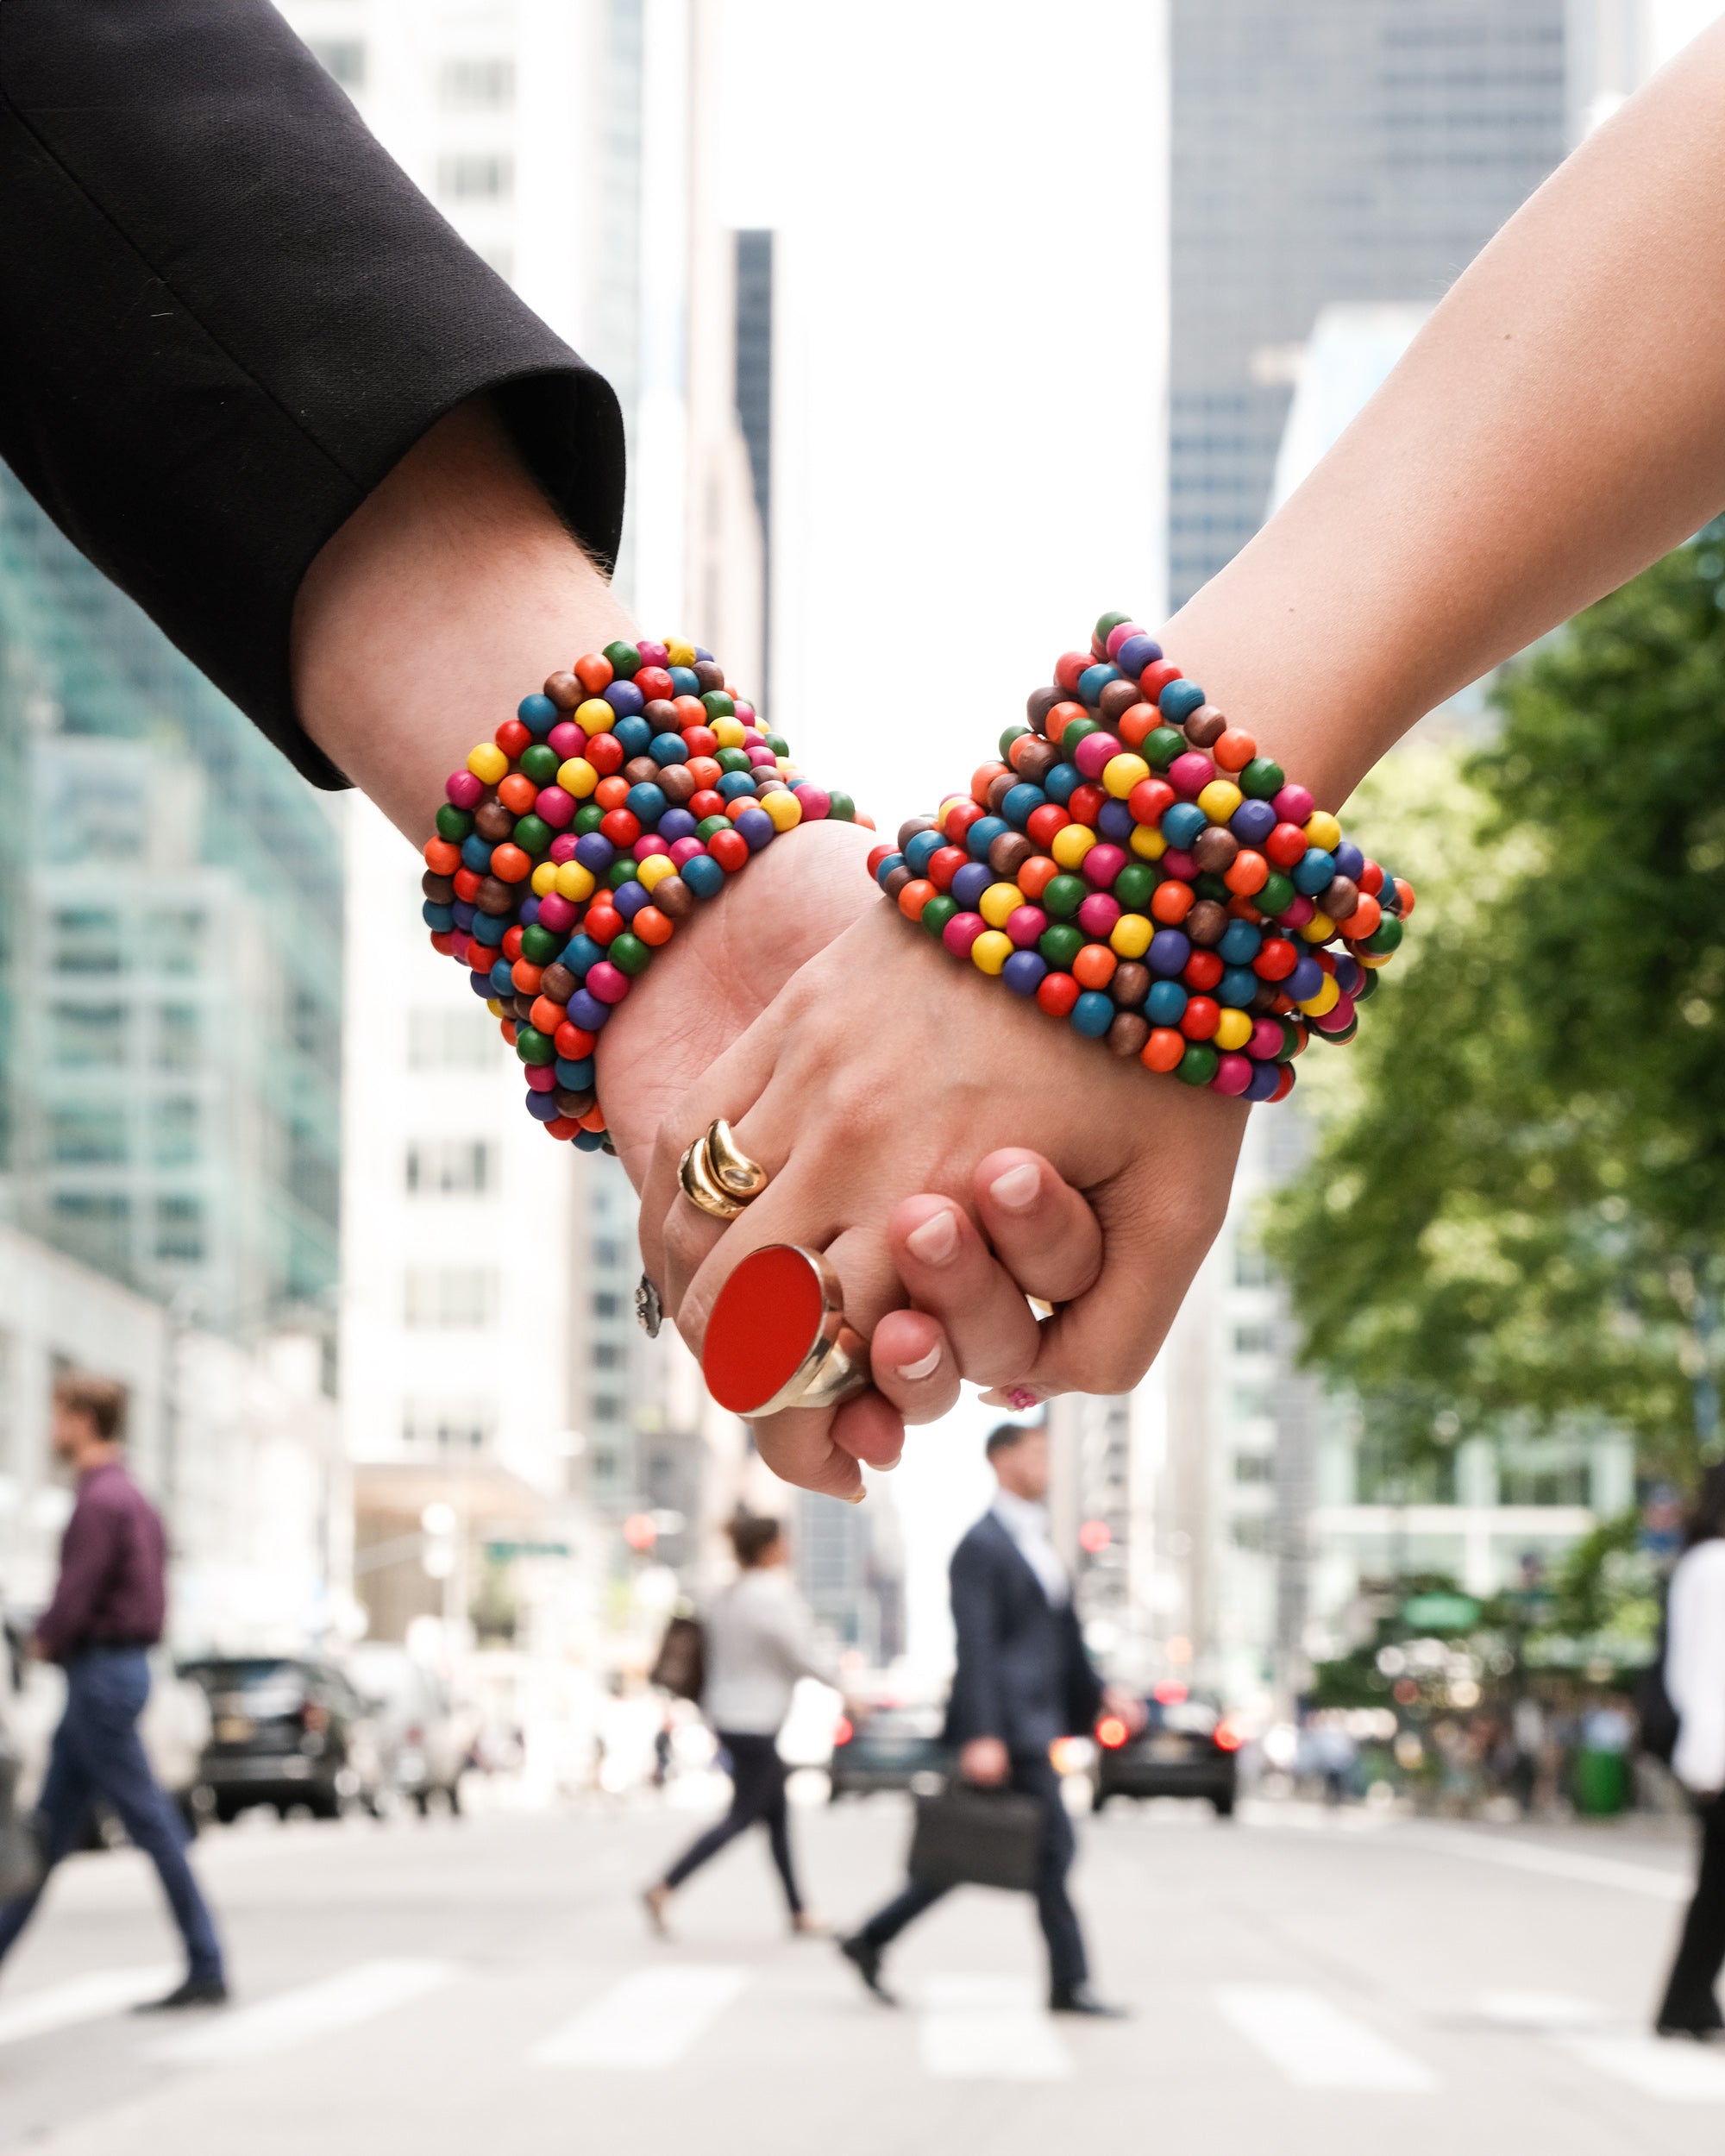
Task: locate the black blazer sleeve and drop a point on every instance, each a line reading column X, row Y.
column 225, row 314
column 978, row 1705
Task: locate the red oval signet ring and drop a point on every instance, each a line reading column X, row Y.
column 777, row 1336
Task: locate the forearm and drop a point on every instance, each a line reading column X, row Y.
column 1559, row 424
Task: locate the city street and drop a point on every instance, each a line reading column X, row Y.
column 1312, row 1983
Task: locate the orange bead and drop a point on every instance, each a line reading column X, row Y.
column 546, row 1014
column 441, row 857
column 526, row 977
column 1247, row 873
column 1404, row 891
column 983, row 778
column 517, row 793
column 560, row 1127
column 1035, row 877
column 610, row 792
column 507, row 1030
column 594, row 1118
column 1170, row 902
column 1093, row 967
column 704, row 771
column 1235, row 749
column 510, row 864
column 912, row 898
column 1061, row 717
column 1135, row 727
column 594, row 673
column 653, row 927
column 1163, row 1049
column 1015, row 753
column 1364, row 920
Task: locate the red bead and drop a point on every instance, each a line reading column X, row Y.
column 604, row 753
column 944, row 863
column 511, row 943
column 1156, row 677
column 1286, row 846
column 573, row 1043
column 730, row 849
column 707, row 802
column 1371, row 879
column 1069, row 667
column 1276, row 959
column 443, row 940
column 1201, row 1019
column 876, row 854
column 1149, row 799
column 1203, row 971
column 620, row 826
column 1086, row 804
column 602, row 924
column 512, row 737
column 959, row 818
column 466, row 886
column 1056, row 993
column 1284, row 1084
column 655, row 683
column 561, row 1126
column 1041, row 824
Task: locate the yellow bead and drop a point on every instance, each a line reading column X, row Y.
column 1071, row 842
column 573, row 881
column 1121, row 773
column 947, row 807
column 1315, row 1006
column 493, row 1006
column 1219, row 799
column 1319, row 929
column 1323, row 830
column 1130, row 936
column 577, row 776
column 544, row 878
column 728, row 733
column 1373, row 959
column 999, row 902
column 785, row 809
column 677, row 653
column 991, row 950
column 652, row 872
column 1233, row 1029
column 487, row 763
column 1148, row 843
column 595, row 716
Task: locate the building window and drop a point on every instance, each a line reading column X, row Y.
column 604, row 1252
column 607, row 1408
column 476, row 85
column 453, row 1039
column 450, row 1298
column 475, row 176
column 173, row 1131
column 449, row 1425
column 343, row 58
column 450, row 1167
column 1251, row 1267
column 86, row 941
column 607, row 1355
column 1253, row 1339
column 83, row 1134
column 1570, row 1484
column 172, row 939
column 1253, row 1403
column 88, row 1036
column 95, row 1226
column 179, row 1228
column 607, row 1305
column 1254, row 1467
column 179, row 1037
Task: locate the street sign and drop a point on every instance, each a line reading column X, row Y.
column 501, row 1552
column 1438, row 1613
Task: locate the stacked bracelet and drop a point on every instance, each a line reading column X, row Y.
column 573, row 842
column 1138, row 868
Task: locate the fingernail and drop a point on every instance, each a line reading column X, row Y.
column 1016, row 1190
column 856, row 1497
column 886, row 1467
column 936, row 1242
column 924, row 1366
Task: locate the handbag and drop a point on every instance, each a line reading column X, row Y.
column 680, row 1667
column 968, row 1836
column 21, row 1855
column 1657, row 1716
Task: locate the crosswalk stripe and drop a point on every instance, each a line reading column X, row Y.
column 1315, row 2043
column 988, row 2028
column 337, row 2002
column 1670, row 2070
column 1539, row 2013
column 649, row 2020
column 85, row 1998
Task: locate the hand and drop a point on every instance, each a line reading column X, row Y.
column 1119, row 1699
column 882, row 1066
column 985, row 1761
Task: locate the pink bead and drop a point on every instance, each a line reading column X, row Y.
column 1025, row 924
column 1337, row 1017
column 745, row 711
column 464, row 789
column 1297, row 914
column 563, row 848
column 653, row 654
column 648, row 845
column 1118, row 636
column 1098, row 914
column 959, row 933
column 816, row 801
column 567, row 738
column 556, row 914
column 1094, row 752
column 686, row 850
column 607, row 982
column 460, row 944
column 554, row 807
column 1294, row 804
column 540, row 1077
column 1101, row 864
column 1265, row 1042
column 762, row 755
column 1178, row 865
column 1189, row 773
column 1233, row 1073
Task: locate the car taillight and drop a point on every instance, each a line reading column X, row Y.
column 311, row 1716
column 843, row 1732
column 1170, row 1693
column 1227, row 1736
column 1112, row 1732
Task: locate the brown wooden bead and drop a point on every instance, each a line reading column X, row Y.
column 1206, row 923
column 1040, row 703
column 565, row 691
column 1340, row 896
column 439, row 890
column 709, row 675
column 912, row 828
column 895, row 882
column 572, row 1104
column 999, row 787
column 1131, row 984
column 1009, row 854
column 1128, row 1033
column 1037, row 759
column 494, row 896
column 1206, row 726
column 674, row 898
column 522, row 1005
column 676, row 781
column 1214, row 850
column 557, row 984
column 641, row 770
column 1264, row 999
column 661, row 713
column 494, row 823
column 1116, row 700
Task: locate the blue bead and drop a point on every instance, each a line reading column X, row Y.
column 437, row 917
column 982, row 834
column 1350, row 861
column 922, row 850
column 1022, row 802
column 1093, row 681
column 1023, row 972
column 481, row 984
column 464, row 912
column 489, row 928
column 1182, row 823
column 704, row 655
column 1304, row 982
column 542, row 1107
column 1115, row 822
column 1136, row 653
column 574, row 1073
column 628, row 898
column 587, row 1011
column 1349, row 972
column 1240, row 943
column 627, row 701
column 667, row 748
column 1093, row 1014
column 646, row 803
column 529, row 915
column 968, row 885
column 595, row 852
column 1236, row 987
column 674, row 824
column 1265, row 1078
column 1062, row 783
column 580, row 952
column 538, row 714
column 734, row 784
column 1168, row 953
column 1314, row 872
column 703, row 875
column 757, row 828
column 1165, row 1005
column 502, row 980
column 1252, row 822
column 889, row 862
column 1179, row 701
column 588, row 1141
column 476, row 853
column 685, row 682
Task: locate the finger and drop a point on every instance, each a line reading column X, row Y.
column 913, row 1367
column 798, row 1447
column 1043, row 1231
column 952, row 1274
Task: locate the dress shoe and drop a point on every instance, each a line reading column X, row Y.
column 865, row 1958
column 195, row 1991
column 1078, row 1998
column 1696, row 2031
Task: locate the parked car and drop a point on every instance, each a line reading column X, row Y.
column 1187, row 1748
column 888, row 1747
column 288, row 1730
column 425, row 1743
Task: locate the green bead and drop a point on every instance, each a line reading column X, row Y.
column 1161, row 747
column 718, row 705
column 1064, row 895
column 532, row 834
column 539, row 947
column 938, row 912
column 1207, row 885
column 629, row 954
column 1368, row 985
column 453, row 824
column 1107, row 624
column 621, row 872
column 1008, row 736
column 1291, row 1035
column 1076, row 730
column 534, row 1046
column 1198, row 1065
column 778, row 745
column 704, row 831
column 1061, row 944
column 841, row 809
column 540, row 764
column 1261, row 778
column 1134, row 884
column 589, row 817
column 625, row 660
column 1385, row 937
column 1339, row 1040
column 733, row 760
column 1276, row 896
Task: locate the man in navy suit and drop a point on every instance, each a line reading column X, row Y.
column 1023, row 1680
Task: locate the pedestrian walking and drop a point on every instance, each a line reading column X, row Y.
column 759, row 1640
column 1695, row 1679
column 106, row 1613
column 1023, row 1680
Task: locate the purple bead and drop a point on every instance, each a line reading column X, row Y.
column 1265, row 1078
column 755, row 828
column 968, row 885
column 1304, row 982
column 1167, row 955
column 1115, row 822
column 1350, row 861
column 674, row 824
column 530, row 912
column 626, row 700
column 595, row 852
column 481, row 984
column 542, row 1108
column 1023, row 971
column 628, row 899
column 587, row 1012
column 1349, row 971
column 464, row 912
column 1252, row 822
column 1136, row 653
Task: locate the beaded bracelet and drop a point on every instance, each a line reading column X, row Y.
column 573, row 843
column 1140, row 870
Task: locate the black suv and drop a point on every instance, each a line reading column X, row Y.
column 1187, row 1748
column 286, row 1730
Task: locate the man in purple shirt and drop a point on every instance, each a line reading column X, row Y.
column 107, row 1612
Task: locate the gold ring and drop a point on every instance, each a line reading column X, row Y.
column 718, row 1177
column 700, row 1188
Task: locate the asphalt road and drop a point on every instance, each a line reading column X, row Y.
column 1299, row 1983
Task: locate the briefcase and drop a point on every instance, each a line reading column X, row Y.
column 680, row 1667
column 971, row 1837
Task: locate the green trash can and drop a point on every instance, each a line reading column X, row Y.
column 1601, row 1783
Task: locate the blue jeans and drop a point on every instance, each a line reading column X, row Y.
column 98, row 1753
